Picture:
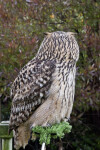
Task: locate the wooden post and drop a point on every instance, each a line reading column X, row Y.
column 6, row 138
column 43, row 147
column 7, row 144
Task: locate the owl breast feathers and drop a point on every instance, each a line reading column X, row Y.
column 43, row 92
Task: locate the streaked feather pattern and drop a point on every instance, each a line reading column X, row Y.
column 29, row 90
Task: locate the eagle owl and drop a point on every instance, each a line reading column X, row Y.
column 43, row 92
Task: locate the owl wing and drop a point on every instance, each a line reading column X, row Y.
column 30, row 89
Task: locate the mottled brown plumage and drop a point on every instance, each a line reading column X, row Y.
column 43, row 92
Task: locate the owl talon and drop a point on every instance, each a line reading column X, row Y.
column 48, row 125
column 32, row 127
column 66, row 119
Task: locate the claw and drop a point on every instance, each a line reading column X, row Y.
column 66, row 119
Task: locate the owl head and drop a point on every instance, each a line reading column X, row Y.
column 59, row 45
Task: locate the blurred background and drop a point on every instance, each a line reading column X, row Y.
column 22, row 27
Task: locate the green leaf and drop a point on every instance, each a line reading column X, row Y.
column 46, row 133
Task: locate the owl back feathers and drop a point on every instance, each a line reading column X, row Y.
column 29, row 90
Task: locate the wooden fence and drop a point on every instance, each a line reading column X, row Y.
column 6, row 139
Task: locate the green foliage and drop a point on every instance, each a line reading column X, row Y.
column 46, row 133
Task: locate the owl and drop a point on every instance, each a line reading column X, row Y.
column 43, row 92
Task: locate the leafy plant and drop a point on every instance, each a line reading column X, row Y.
column 46, row 133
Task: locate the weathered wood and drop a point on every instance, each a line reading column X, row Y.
column 43, row 147
column 6, row 138
column 7, row 144
column 60, row 145
column 4, row 125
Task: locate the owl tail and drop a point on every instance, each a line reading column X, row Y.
column 22, row 136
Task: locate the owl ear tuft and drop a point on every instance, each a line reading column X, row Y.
column 72, row 33
column 47, row 33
